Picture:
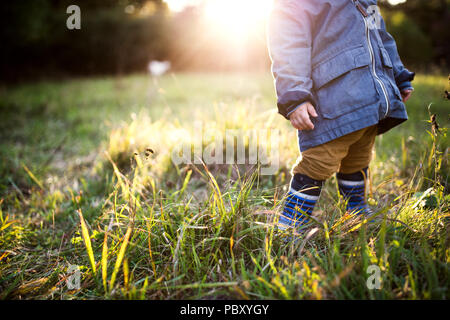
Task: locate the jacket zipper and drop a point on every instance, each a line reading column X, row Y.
column 369, row 42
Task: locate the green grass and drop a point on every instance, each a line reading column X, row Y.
column 78, row 187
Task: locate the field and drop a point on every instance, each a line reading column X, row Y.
column 86, row 179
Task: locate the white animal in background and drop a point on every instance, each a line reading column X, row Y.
column 158, row 68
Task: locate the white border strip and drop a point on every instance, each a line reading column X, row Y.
column 351, row 183
column 303, row 195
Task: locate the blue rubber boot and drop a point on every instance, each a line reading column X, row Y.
column 300, row 201
column 352, row 187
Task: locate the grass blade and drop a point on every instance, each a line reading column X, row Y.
column 87, row 241
column 105, row 260
column 120, row 256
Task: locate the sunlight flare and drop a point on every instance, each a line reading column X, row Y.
column 231, row 18
column 237, row 16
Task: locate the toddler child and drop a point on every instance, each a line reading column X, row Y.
column 340, row 81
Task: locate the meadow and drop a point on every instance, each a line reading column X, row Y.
column 86, row 179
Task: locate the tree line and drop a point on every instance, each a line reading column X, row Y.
column 122, row 36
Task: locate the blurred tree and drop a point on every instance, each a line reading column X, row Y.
column 420, row 28
column 120, row 36
column 116, row 36
column 413, row 44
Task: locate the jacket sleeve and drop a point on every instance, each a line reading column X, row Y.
column 289, row 41
column 403, row 76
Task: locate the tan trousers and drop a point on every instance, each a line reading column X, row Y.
column 346, row 154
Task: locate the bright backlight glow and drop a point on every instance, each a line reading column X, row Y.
column 235, row 18
column 237, row 15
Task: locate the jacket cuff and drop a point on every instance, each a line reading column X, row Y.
column 405, row 86
column 295, row 108
column 292, row 100
column 404, row 78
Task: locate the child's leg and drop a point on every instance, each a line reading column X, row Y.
column 352, row 187
column 352, row 175
column 300, row 201
column 317, row 164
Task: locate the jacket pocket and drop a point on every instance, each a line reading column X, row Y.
column 344, row 83
column 386, row 59
column 389, row 71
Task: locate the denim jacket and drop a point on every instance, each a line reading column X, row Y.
column 337, row 55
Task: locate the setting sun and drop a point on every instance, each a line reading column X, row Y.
column 238, row 16
column 232, row 17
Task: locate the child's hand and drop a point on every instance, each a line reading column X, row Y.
column 406, row 94
column 300, row 118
